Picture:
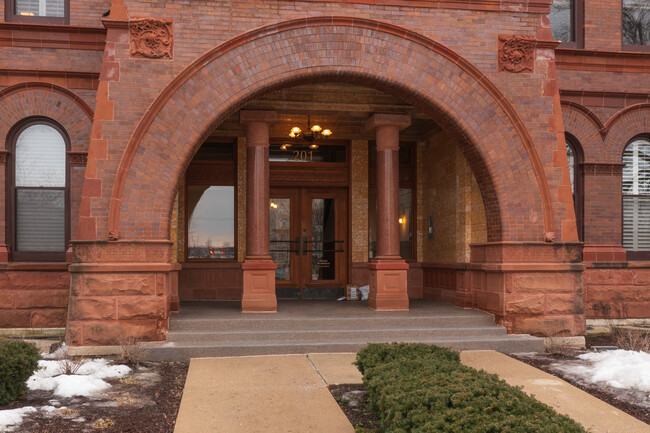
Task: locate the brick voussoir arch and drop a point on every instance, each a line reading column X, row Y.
column 623, row 126
column 32, row 99
column 22, row 87
column 268, row 78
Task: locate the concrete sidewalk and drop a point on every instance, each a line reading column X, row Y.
column 594, row 414
column 265, row 394
column 288, row 393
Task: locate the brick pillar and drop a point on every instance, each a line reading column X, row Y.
column 388, row 271
column 603, row 212
column 258, row 294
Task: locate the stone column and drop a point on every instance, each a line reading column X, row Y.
column 388, row 287
column 258, row 293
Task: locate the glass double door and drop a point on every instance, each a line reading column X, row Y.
column 309, row 244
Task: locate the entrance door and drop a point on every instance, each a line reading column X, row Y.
column 309, row 242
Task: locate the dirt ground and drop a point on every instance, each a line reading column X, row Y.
column 146, row 401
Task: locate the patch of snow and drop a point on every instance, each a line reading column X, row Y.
column 11, row 418
column 617, row 368
column 87, row 382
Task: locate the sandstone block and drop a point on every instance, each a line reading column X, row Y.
column 56, row 298
column 111, row 332
column 35, row 280
column 54, row 318
column 117, row 284
column 141, row 307
column 525, row 303
column 103, row 308
column 15, row 318
column 612, row 277
column 543, row 326
column 637, row 310
column 6, row 299
column 564, row 304
column 542, row 281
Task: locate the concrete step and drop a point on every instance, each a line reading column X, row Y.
column 381, row 321
column 171, row 351
column 328, row 335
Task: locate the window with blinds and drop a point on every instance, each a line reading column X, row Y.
column 40, row 190
column 40, row 8
column 636, row 196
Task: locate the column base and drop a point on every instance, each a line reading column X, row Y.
column 258, row 293
column 388, row 284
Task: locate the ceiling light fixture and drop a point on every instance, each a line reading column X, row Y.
column 315, row 132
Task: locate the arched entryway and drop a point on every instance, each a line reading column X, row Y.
column 455, row 94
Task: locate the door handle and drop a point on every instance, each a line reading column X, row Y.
column 304, row 245
column 298, row 249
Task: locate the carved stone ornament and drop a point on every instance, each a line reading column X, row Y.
column 151, row 38
column 78, row 158
column 516, row 54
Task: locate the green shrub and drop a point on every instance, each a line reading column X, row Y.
column 425, row 389
column 18, row 361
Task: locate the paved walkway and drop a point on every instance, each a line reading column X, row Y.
column 265, row 394
column 288, row 393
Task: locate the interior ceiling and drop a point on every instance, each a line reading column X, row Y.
column 343, row 108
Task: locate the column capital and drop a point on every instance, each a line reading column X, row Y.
column 377, row 120
column 248, row 116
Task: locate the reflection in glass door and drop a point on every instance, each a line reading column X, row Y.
column 309, row 241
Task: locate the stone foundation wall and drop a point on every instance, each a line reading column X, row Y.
column 34, row 296
column 119, row 290
column 617, row 290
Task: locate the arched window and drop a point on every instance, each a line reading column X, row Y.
column 575, row 157
column 636, row 198
column 39, row 192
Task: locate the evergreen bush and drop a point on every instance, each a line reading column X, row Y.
column 417, row 388
column 18, row 361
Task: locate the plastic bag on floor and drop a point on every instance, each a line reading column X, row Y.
column 365, row 290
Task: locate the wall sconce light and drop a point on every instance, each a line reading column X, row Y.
column 402, row 220
column 274, row 205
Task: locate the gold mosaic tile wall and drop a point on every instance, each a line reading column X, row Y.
column 241, row 199
column 359, row 199
column 448, row 191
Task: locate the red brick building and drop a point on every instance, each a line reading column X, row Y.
column 473, row 158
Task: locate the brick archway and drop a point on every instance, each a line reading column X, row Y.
column 623, row 126
column 433, row 77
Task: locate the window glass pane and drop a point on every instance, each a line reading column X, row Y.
column 636, row 22
column 572, row 164
column 405, row 219
column 40, row 220
column 561, row 17
column 281, row 245
column 211, row 215
column 323, row 239
column 636, row 173
column 40, row 157
column 636, row 204
column 40, row 8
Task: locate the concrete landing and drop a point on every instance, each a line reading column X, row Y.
column 213, row 329
column 270, row 394
column 594, row 414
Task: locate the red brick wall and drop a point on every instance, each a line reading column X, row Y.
column 129, row 92
column 603, row 24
